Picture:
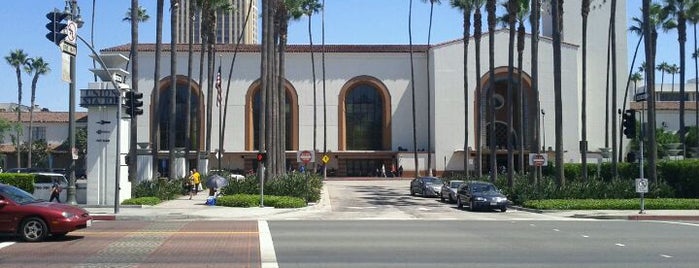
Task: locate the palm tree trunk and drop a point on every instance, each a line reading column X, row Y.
column 155, row 131
column 510, row 93
column 682, row 34
column 133, row 123
column 696, row 82
column 467, row 33
column 650, row 50
column 557, row 87
column 31, row 121
column 429, row 93
column 173, row 84
column 490, row 7
column 522, row 141
column 412, row 86
column 612, row 25
column 188, row 92
column 313, row 75
column 18, row 137
column 534, row 21
column 477, row 30
column 583, row 114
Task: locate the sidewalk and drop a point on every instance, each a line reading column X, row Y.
column 658, row 215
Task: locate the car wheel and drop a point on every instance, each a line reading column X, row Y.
column 33, row 230
column 411, row 192
column 424, row 193
column 503, row 209
column 441, row 197
column 472, row 205
column 458, row 203
column 451, row 199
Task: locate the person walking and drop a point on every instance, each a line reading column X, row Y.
column 55, row 192
column 189, row 184
column 196, row 179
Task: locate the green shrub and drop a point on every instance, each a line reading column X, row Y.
column 302, row 185
column 622, row 204
column 163, row 189
column 250, row 200
column 284, row 202
column 147, row 200
column 23, row 181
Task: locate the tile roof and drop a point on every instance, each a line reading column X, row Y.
column 255, row 48
column 44, row 117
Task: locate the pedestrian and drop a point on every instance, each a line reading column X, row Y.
column 55, row 192
column 197, row 181
column 393, row 170
column 191, row 187
column 400, row 171
column 383, row 170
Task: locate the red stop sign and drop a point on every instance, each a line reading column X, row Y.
column 306, row 156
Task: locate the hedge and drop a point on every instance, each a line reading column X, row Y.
column 249, row 200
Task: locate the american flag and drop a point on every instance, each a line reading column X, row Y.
column 218, row 87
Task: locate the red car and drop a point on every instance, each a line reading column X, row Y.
column 35, row 219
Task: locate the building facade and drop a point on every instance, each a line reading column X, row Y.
column 229, row 24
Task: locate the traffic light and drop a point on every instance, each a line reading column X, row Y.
column 628, row 123
column 133, row 103
column 261, row 157
column 55, row 26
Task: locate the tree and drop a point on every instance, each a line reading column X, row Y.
column 585, row 12
column 677, row 12
column 412, row 84
column 693, row 18
column 649, row 47
column 491, row 9
column 534, row 22
column 174, row 9
column 141, row 16
column 308, row 8
column 192, row 8
column 36, row 66
column 663, row 67
column 672, row 70
column 511, row 20
column 429, row 102
column 557, row 21
column 17, row 59
column 521, row 14
column 155, row 130
column 466, row 7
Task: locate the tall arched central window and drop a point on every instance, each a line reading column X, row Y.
column 256, row 119
column 180, row 116
column 364, row 118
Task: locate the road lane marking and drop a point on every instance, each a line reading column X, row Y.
column 585, row 236
column 532, row 225
column 268, row 257
column 556, row 230
column 162, row 232
column 620, row 244
column 665, row 256
column 6, row 244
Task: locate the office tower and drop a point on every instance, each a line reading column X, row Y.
column 229, row 23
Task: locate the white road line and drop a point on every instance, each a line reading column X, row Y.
column 665, row 256
column 556, row 230
column 268, row 257
column 532, row 225
column 585, row 236
column 6, row 244
column 620, row 244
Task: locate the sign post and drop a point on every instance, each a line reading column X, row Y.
column 642, row 188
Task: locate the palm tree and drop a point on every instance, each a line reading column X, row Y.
column 511, row 20
column 677, row 11
column 521, row 16
column 693, row 18
column 155, row 131
column 583, row 114
column 477, row 34
column 557, row 21
column 412, row 84
column 429, row 102
column 141, row 16
column 635, row 77
column 308, row 8
column 17, row 59
column 491, row 8
column 672, row 70
column 466, row 7
column 174, row 8
column 663, row 67
column 137, row 15
column 36, row 66
column 534, row 22
column 649, row 47
column 192, row 9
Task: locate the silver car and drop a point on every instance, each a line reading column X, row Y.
column 449, row 191
column 426, row 186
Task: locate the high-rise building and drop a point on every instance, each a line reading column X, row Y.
column 229, row 24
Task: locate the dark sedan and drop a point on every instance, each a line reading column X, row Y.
column 34, row 219
column 481, row 195
column 426, row 186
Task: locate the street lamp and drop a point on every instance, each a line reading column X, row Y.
column 73, row 12
column 543, row 126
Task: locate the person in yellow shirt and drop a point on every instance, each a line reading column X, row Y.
column 196, row 179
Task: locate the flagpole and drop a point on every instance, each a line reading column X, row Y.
column 220, row 129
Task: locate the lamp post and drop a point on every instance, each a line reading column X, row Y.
column 543, row 126
column 73, row 12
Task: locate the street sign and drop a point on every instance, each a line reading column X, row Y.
column 305, row 156
column 641, row 96
column 75, row 153
column 102, row 122
column 641, row 185
column 71, row 32
column 325, row 159
column 69, row 48
column 538, row 160
column 99, row 131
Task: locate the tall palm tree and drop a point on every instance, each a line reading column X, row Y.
column 36, row 66
column 477, row 34
column 511, row 20
column 155, row 131
column 192, row 11
column 491, row 9
column 412, row 84
column 585, row 12
column 649, row 47
column 308, row 8
column 429, row 102
column 141, row 16
column 466, row 6
column 557, row 21
column 612, row 37
column 521, row 16
column 534, row 22
column 672, row 70
column 137, row 16
column 266, row 64
column 18, row 59
column 663, row 67
column 693, row 18
column 677, row 11
column 174, row 9
column 695, row 54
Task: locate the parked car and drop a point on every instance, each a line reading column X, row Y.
column 43, row 183
column 33, row 219
column 480, row 194
column 426, row 186
column 448, row 191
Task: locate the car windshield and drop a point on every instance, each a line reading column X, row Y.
column 483, row 188
column 17, row 195
column 433, row 181
column 455, row 184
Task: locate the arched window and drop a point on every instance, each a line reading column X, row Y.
column 256, row 119
column 252, row 117
column 195, row 133
column 365, row 115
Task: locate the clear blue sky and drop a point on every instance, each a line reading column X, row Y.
column 347, row 22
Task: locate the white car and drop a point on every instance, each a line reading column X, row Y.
column 44, row 182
